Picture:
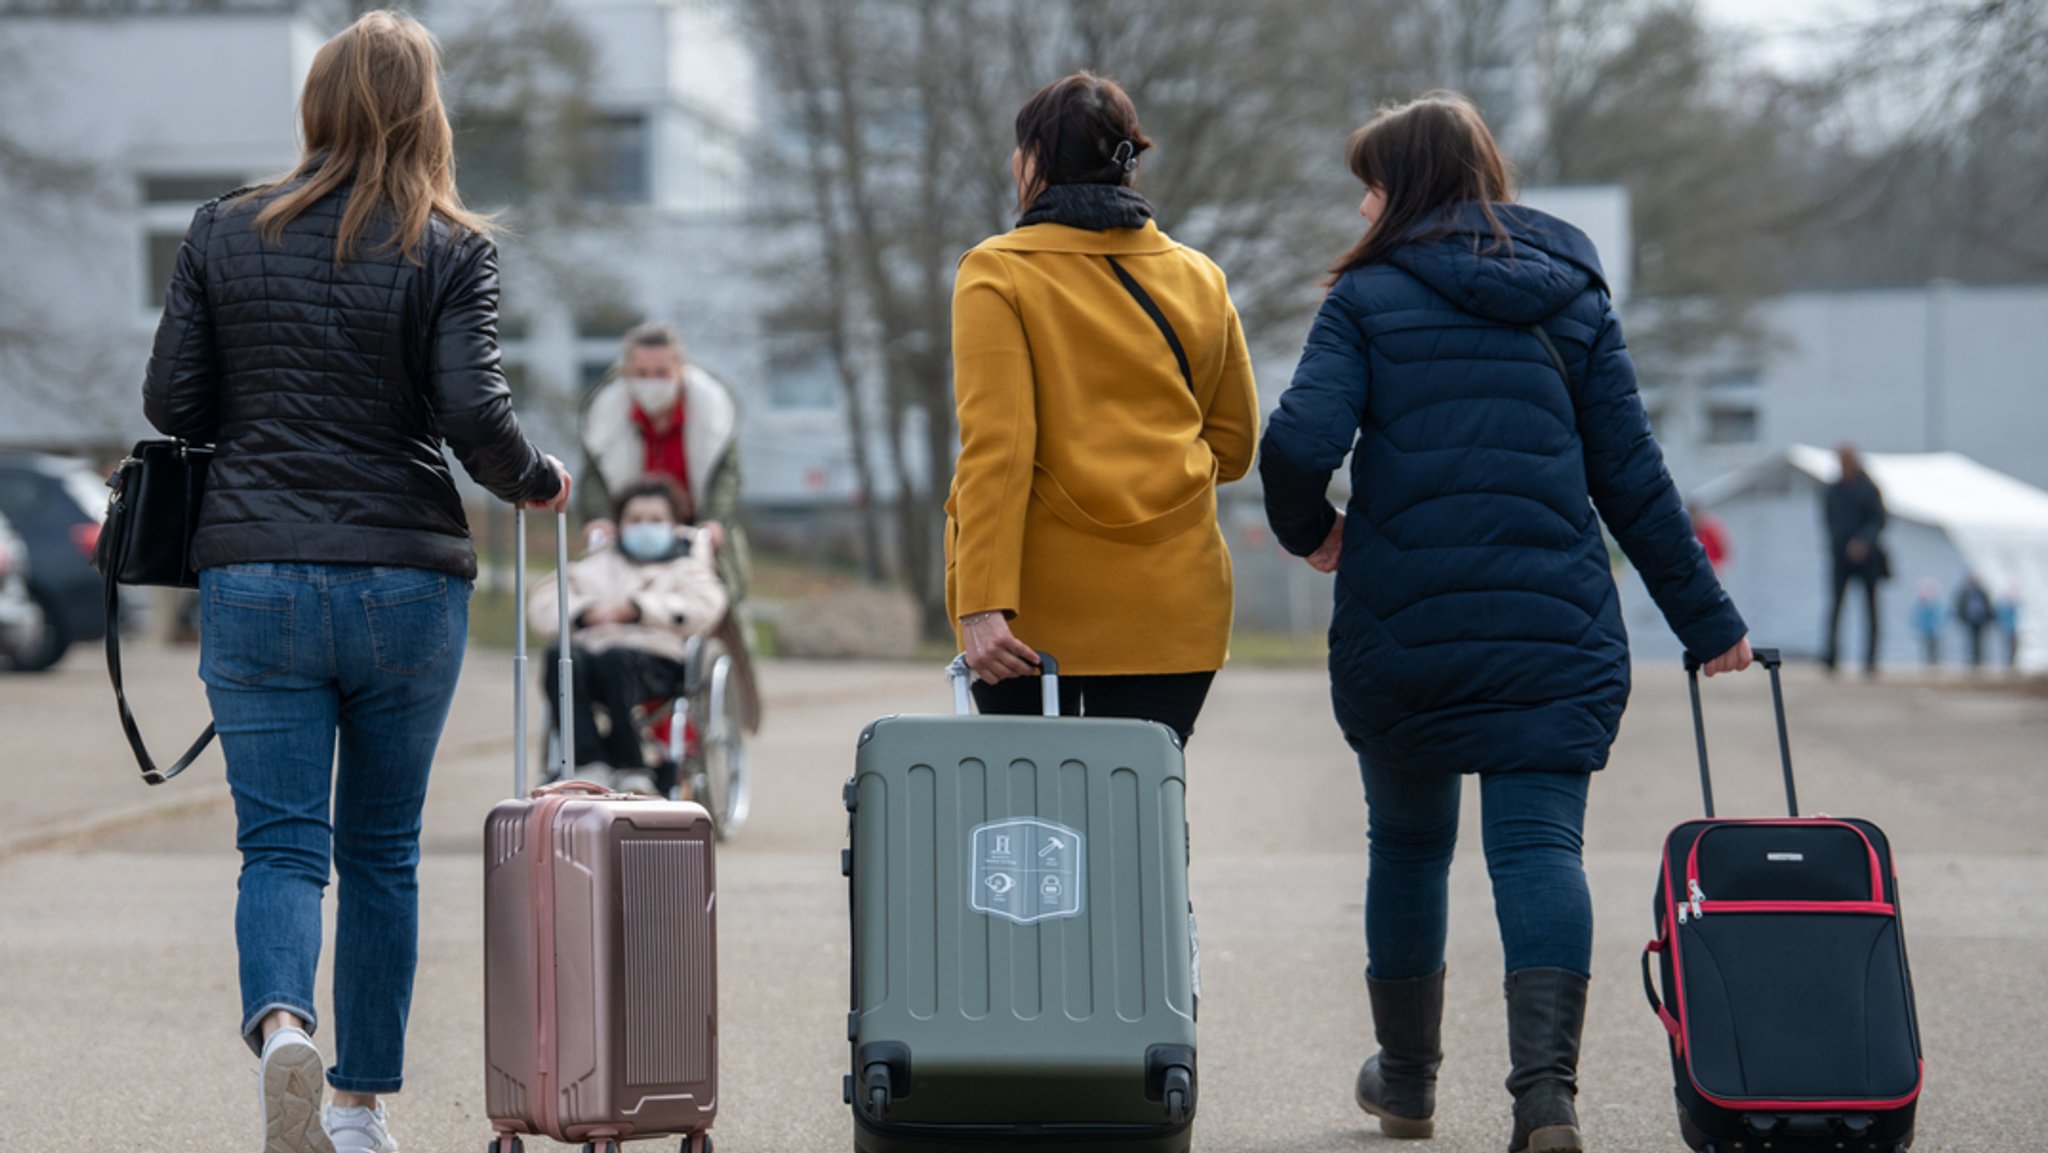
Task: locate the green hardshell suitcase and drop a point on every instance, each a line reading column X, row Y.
column 1024, row 968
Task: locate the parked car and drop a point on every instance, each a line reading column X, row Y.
column 21, row 619
column 56, row 504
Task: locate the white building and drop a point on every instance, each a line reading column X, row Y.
column 1949, row 516
column 157, row 111
column 1945, row 368
column 148, row 116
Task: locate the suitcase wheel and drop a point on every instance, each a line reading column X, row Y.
column 506, row 1143
column 696, row 1143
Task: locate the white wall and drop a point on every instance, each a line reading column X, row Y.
column 127, row 98
column 1601, row 211
column 1856, row 366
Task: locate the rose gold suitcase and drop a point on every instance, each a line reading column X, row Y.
column 600, row 953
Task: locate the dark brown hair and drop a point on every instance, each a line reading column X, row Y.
column 655, row 484
column 651, row 334
column 371, row 116
column 1424, row 156
column 1073, row 130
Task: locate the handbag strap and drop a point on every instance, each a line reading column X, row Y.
column 1144, row 299
column 150, row 773
column 1551, row 348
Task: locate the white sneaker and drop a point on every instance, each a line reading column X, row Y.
column 634, row 781
column 597, row 773
column 355, row 1129
column 291, row 1080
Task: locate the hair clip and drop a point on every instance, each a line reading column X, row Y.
column 1126, row 156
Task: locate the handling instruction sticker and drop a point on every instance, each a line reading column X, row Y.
column 1026, row 869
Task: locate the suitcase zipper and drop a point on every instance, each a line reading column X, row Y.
column 1879, row 908
column 1692, row 860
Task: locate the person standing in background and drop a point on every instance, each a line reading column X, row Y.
column 1711, row 533
column 1975, row 614
column 1929, row 614
column 1853, row 509
column 2008, row 609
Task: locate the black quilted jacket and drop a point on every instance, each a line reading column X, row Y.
column 329, row 389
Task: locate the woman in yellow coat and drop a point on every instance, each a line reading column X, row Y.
column 1104, row 391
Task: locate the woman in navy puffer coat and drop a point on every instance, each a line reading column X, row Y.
column 1468, row 360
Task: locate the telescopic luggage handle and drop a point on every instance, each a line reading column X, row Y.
column 565, row 745
column 1769, row 659
column 1049, row 686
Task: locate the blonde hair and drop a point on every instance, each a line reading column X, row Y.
column 371, row 115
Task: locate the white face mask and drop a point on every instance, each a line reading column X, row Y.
column 648, row 540
column 654, row 394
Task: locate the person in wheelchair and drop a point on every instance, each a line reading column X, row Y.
column 635, row 604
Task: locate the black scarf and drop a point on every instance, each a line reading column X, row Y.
column 1095, row 207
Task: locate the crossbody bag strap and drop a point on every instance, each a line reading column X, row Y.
column 150, row 773
column 1551, row 348
column 1144, row 299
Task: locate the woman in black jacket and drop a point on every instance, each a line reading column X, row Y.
column 328, row 332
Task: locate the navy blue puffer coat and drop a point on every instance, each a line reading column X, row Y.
column 1477, row 626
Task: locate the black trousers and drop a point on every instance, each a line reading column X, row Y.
column 1843, row 575
column 612, row 682
column 1172, row 699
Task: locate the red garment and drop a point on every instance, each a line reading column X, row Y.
column 666, row 452
column 1713, row 538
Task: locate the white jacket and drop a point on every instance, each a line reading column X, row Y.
column 615, row 449
column 678, row 599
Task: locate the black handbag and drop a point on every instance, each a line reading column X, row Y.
column 147, row 540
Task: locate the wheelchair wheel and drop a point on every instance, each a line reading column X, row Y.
column 720, row 776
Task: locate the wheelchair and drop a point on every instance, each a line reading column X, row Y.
column 700, row 734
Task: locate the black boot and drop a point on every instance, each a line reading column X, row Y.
column 1546, row 1013
column 1398, row 1083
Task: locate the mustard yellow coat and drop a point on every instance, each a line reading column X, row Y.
column 1084, row 501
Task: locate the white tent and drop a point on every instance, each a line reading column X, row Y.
column 1949, row 516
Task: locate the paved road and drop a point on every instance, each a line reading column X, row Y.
column 118, row 1003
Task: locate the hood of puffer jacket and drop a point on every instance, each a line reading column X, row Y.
column 1544, row 266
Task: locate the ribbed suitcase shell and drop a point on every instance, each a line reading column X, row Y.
column 1054, row 1032
column 600, row 967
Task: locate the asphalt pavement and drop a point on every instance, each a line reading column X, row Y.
column 118, row 1005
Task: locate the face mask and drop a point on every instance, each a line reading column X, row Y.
column 648, row 540
column 654, row 394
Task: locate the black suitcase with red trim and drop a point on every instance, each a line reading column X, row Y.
column 1785, row 988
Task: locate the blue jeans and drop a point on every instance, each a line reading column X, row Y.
column 297, row 659
column 1533, row 827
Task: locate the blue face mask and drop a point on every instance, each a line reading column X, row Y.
column 648, row 540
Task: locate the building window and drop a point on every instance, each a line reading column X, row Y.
column 618, row 165
column 516, row 378
column 801, row 374
column 592, row 373
column 168, row 202
column 1731, row 424
column 490, row 161
column 163, row 261
column 605, row 320
column 187, row 189
column 1733, row 381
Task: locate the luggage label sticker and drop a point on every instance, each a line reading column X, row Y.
column 1026, row 869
